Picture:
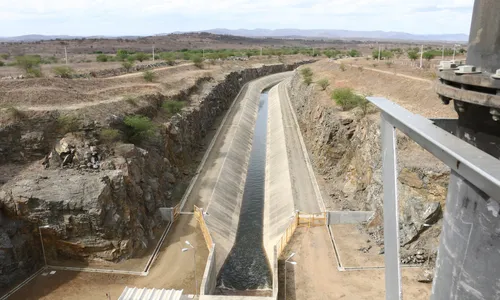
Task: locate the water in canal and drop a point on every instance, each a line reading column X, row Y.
column 247, row 267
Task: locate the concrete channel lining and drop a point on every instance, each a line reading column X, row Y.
column 348, row 217
column 224, row 206
column 279, row 204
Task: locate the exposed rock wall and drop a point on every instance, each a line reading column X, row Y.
column 99, row 201
column 345, row 151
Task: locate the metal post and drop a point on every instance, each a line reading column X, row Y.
column 43, row 248
column 454, row 51
column 391, row 214
column 378, row 52
column 153, row 52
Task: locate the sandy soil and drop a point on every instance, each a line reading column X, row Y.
column 411, row 92
column 172, row 269
column 350, row 241
column 316, row 276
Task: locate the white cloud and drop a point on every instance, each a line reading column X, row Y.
column 417, row 16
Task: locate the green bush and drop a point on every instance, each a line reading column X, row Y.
column 347, row 99
column 354, row 53
column 2, row 63
column 198, row 61
column 384, row 54
column 173, row 106
column 342, row 67
column 308, row 80
column 14, row 112
column 388, row 63
column 141, row 56
column 102, row 58
column 306, row 72
column 149, row 76
column 127, row 65
column 138, row 127
column 323, row 83
column 109, row 135
column 30, row 64
column 5, row 56
column 68, row 123
column 63, row 71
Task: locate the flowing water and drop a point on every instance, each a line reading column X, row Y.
column 247, row 266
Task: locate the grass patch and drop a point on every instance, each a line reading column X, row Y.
column 306, row 72
column 127, row 65
column 110, row 135
column 347, row 99
column 149, row 76
column 343, row 67
column 14, row 112
column 198, row 61
column 131, row 100
column 173, row 106
column 68, row 124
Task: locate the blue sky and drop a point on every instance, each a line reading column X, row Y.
column 146, row 17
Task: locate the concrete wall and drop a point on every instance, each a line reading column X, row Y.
column 348, row 217
column 209, row 281
column 225, row 203
column 167, row 213
column 279, row 205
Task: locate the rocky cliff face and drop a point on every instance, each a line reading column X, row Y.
column 99, row 201
column 345, row 150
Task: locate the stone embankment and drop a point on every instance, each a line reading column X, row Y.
column 346, row 153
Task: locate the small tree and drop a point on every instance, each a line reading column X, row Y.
column 388, row 63
column 198, row 61
column 149, row 76
column 2, row 63
column 308, row 80
column 63, row 71
column 347, row 99
column 413, row 55
column 353, row 53
column 122, row 54
column 323, row 83
column 127, row 65
column 428, row 55
column 141, row 56
column 5, row 56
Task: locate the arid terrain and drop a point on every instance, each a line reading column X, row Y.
column 119, row 178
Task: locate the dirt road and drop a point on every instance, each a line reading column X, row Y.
column 315, row 277
column 173, row 269
column 302, row 176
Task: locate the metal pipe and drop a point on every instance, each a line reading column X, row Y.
column 484, row 38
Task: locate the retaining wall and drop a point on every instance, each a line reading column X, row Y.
column 348, row 217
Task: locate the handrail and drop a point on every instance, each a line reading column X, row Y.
column 476, row 166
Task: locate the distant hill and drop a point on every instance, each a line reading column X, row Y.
column 277, row 33
column 333, row 33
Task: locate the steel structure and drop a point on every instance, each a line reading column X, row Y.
column 468, row 264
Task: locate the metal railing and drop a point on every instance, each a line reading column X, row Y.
column 478, row 167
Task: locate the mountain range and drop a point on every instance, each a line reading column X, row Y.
column 279, row 33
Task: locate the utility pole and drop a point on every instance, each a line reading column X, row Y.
column 454, row 50
column 421, row 56
column 66, row 54
column 203, row 53
column 442, row 58
column 260, row 51
column 313, row 51
column 378, row 52
column 153, row 52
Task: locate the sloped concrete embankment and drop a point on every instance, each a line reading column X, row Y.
column 108, row 210
column 345, row 152
column 225, row 204
column 279, row 204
